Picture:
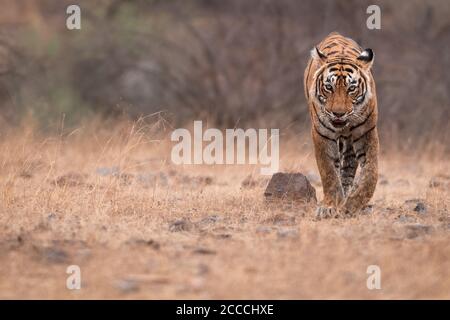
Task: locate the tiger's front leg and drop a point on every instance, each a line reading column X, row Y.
column 327, row 159
column 366, row 150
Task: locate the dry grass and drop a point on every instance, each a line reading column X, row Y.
column 106, row 200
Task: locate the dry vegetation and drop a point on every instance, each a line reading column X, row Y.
column 109, row 201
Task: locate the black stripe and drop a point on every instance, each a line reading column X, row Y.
column 360, row 155
column 348, row 167
column 359, row 150
column 344, row 63
column 335, row 160
column 364, row 134
column 362, row 123
column 323, row 136
column 349, row 151
column 320, row 121
column 331, row 45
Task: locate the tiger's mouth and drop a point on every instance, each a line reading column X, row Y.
column 339, row 123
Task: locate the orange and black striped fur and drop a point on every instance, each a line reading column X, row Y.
column 340, row 91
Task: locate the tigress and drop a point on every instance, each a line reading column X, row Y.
column 340, row 91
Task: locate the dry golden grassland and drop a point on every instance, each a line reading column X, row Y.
column 106, row 197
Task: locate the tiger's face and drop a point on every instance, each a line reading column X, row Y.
column 342, row 91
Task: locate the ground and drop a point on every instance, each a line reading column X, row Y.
column 138, row 226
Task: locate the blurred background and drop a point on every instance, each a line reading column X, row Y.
column 233, row 63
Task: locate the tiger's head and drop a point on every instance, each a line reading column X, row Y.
column 341, row 87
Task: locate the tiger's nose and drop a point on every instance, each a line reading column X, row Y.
column 338, row 114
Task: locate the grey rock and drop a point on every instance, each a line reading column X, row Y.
column 210, row 219
column 287, row 233
column 420, row 207
column 204, row 251
column 127, row 285
column 263, row 229
column 281, row 219
column 417, row 229
column 292, row 186
column 107, row 171
column 180, row 225
column 54, row 255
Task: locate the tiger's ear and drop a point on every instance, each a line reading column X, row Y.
column 318, row 55
column 366, row 57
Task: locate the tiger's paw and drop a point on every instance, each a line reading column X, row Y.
column 323, row 212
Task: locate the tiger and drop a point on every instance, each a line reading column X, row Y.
column 340, row 91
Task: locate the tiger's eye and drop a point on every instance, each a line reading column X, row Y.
column 351, row 88
column 328, row 87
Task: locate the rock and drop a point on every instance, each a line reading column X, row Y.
column 53, row 255
column 72, row 179
column 107, row 171
column 210, row 219
column 287, row 233
column 196, row 181
column 204, row 251
column 415, row 230
column 420, row 208
column 223, row 236
column 51, row 216
column 281, row 219
column 142, row 242
column 152, row 179
column 180, row 225
column 405, row 218
column 440, row 181
column 127, row 285
column 367, row 209
column 292, row 186
column 411, row 204
column 263, row 229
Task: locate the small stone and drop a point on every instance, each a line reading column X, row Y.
column 107, row 171
column 210, row 219
column 314, row 178
column 263, row 229
column 281, row 219
column 72, row 179
column 417, row 229
column 180, row 225
column 420, row 207
column 292, row 186
column 367, row 209
column 142, row 242
column 405, row 219
column 440, row 181
column 412, row 204
column 127, row 285
column 54, row 255
column 204, row 251
column 287, row 233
